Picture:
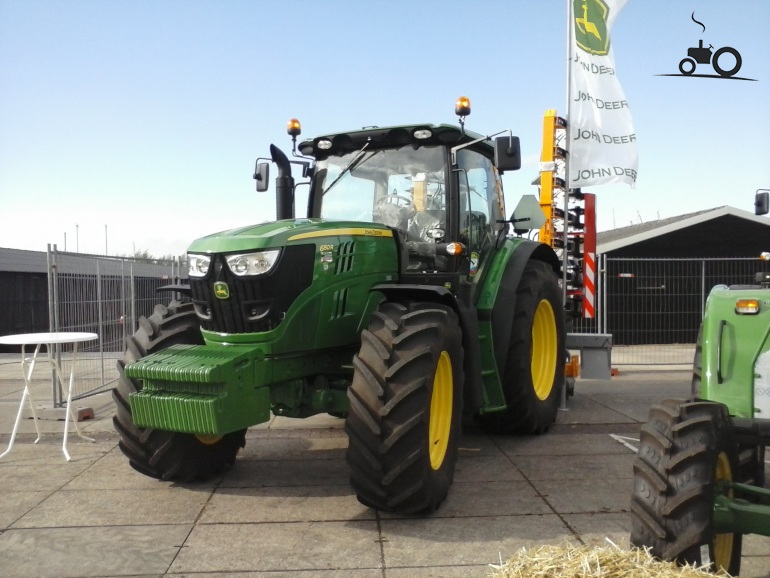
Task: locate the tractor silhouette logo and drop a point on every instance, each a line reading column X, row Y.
column 701, row 55
column 725, row 61
column 591, row 26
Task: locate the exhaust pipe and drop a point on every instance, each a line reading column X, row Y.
column 284, row 185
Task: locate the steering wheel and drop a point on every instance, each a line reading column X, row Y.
column 397, row 200
column 394, row 209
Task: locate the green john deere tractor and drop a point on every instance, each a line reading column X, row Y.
column 400, row 303
column 699, row 475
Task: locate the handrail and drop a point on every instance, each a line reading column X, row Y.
column 722, row 324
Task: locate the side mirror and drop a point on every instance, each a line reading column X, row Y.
column 762, row 202
column 261, row 174
column 507, row 153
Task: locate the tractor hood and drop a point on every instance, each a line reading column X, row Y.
column 281, row 233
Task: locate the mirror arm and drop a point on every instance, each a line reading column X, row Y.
column 306, row 169
column 454, row 150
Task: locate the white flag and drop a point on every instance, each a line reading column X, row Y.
column 602, row 142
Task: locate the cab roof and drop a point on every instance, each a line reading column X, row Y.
column 392, row 136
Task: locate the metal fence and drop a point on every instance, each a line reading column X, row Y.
column 102, row 295
column 653, row 307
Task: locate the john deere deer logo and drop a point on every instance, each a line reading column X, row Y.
column 221, row 290
column 591, row 26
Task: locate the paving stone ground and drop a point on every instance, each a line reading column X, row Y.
column 286, row 509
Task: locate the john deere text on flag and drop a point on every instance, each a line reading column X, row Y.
column 602, row 141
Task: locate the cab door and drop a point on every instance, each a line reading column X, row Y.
column 481, row 206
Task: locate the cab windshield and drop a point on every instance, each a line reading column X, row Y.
column 403, row 188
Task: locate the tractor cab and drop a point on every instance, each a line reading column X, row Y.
column 445, row 204
column 437, row 187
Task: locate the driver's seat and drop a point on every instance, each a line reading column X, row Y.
column 425, row 220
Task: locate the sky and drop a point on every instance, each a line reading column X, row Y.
column 134, row 125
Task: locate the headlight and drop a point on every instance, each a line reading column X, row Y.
column 198, row 265
column 253, row 263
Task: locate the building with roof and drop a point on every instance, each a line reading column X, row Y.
column 720, row 232
column 655, row 276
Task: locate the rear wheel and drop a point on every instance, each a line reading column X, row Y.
column 534, row 370
column 163, row 454
column 405, row 407
column 685, row 449
column 736, row 62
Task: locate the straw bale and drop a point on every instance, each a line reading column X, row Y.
column 570, row 561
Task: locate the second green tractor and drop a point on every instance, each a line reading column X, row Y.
column 699, row 476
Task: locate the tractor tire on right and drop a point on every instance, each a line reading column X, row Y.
column 685, row 449
column 534, row 371
column 751, row 457
column 405, row 407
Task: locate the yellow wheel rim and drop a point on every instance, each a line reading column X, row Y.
column 723, row 543
column 440, row 426
column 208, row 440
column 544, row 349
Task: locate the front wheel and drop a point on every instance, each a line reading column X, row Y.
column 405, row 407
column 167, row 455
column 685, row 449
column 687, row 66
column 534, row 370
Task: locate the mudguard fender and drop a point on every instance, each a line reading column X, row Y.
column 468, row 323
column 505, row 301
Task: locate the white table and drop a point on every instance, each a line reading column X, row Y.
column 28, row 365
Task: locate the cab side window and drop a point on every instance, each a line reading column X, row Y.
column 480, row 204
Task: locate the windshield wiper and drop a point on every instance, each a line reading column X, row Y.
column 354, row 162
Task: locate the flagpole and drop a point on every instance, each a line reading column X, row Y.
column 565, row 253
column 569, row 85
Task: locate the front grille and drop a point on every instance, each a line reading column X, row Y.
column 257, row 303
